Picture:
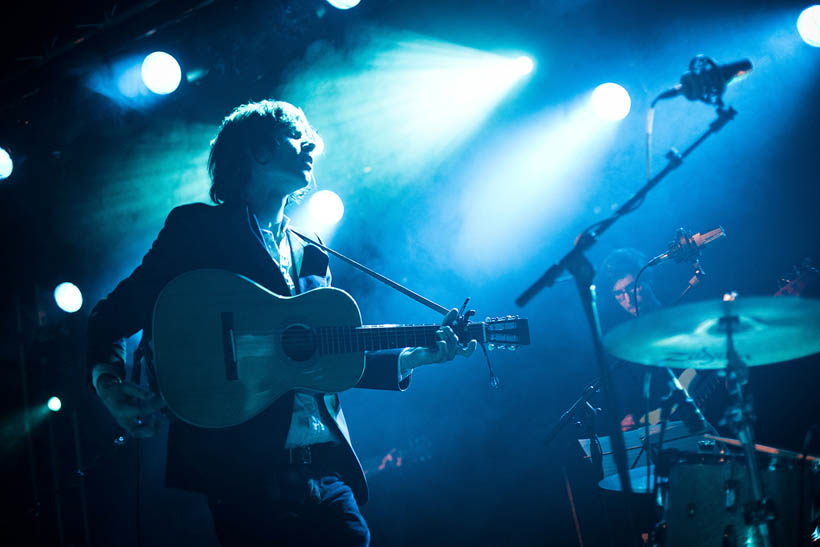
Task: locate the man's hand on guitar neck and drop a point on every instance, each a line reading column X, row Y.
column 136, row 409
column 447, row 347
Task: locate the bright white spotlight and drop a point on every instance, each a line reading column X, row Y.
column 325, row 207
column 68, row 297
column 55, row 404
column 523, row 65
column 808, row 25
column 161, row 73
column 611, row 102
column 343, row 4
column 6, row 165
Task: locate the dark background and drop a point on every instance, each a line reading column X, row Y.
column 96, row 173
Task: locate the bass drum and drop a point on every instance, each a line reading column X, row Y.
column 709, row 502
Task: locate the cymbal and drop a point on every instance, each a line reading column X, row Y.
column 768, row 330
column 637, row 477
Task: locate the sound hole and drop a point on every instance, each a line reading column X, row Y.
column 299, row 342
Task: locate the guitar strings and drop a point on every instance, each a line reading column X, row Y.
column 345, row 339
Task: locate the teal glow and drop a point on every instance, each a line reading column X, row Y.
column 611, row 102
column 326, row 207
column 528, row 180
column 68, row 297
column 399, row 104
column 161, row 73
column 55, row 404
column 343, row 4
column 6, row 165
column 808, row 25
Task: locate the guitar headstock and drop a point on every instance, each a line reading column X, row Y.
column 507, row 332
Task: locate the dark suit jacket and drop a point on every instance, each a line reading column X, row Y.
column 216, row 460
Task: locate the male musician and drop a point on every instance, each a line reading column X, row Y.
column 288, row 476
column 621, row 300
column 617, row 277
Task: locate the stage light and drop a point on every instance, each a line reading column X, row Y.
column 161, row 73
column 519, row 180
column 611, row 102
column 808, row 25
column 55, row 404
column 326, row 207
column 343, row 4
column 68, row 297
column 410, row 100
column 523, row 65
column 6, row 165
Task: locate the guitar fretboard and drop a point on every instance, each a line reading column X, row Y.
column 379, row 337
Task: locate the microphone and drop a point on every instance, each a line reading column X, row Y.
column 687, row 247
column 706, row 80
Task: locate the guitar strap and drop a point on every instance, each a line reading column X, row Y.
column 389, row 282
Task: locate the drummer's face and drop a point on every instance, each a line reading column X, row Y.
column 622, row 290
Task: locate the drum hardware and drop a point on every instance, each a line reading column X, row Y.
column 708, row 498
column 727, row 499
column 760, row 511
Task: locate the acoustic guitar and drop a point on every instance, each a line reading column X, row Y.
column 226, row 348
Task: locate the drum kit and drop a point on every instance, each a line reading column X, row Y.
column 715, row 491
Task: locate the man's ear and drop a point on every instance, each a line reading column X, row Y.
column 260, row 154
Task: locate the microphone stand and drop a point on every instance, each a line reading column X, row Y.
column 583, row 399
column 576, row 263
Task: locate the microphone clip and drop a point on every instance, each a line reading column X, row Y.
column 683, row 248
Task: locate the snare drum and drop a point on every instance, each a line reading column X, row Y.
column 709, row 501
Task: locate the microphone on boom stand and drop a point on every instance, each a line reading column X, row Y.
column 706, row 80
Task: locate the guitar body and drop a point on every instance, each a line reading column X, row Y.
column 226, row 348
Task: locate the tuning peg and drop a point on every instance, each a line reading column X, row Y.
column 490, row 346
column 487, row 319
column 502, row 346
column 512, row 347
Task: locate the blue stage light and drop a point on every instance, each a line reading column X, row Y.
column 161, row 73
column 611, row 102
column 343, row 4
column 6, row 165
column 808, row 25
column 55, row 404
column 68, row 297
column 325, row 207
column 523, row 65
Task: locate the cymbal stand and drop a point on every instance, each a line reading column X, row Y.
column 741, row 416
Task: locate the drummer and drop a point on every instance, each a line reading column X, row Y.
column 617, row 297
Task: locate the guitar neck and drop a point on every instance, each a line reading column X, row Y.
column 381, row 337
